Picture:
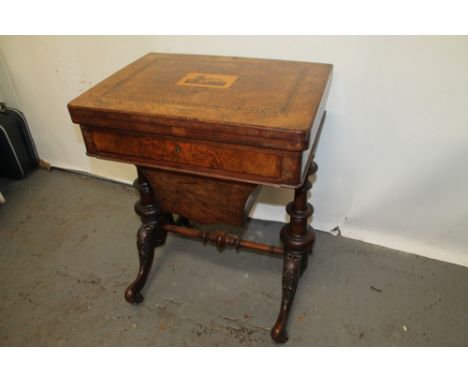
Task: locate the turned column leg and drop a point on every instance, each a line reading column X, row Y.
column 298, row 238
column 150, row 235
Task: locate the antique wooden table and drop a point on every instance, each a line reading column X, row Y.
column 204, row 132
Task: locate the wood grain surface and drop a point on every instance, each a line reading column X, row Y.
column 204, row 132
column 272, row 102
column 201, row 199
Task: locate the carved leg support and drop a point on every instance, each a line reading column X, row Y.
column 298, row 238
column 150, row 235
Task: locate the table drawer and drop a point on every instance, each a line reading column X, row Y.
column 167, row 151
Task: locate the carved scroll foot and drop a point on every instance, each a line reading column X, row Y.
column 291, row 274
column 146, row 245
column 298, row 238
column 150, row 235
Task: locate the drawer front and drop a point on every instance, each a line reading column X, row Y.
column 167, row 151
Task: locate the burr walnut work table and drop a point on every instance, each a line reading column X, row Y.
column 204, row 133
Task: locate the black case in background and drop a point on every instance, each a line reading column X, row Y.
column 18, row 154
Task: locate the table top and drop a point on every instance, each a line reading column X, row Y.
column 266, row 99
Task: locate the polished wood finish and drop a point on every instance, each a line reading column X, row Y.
column 298, row 238
column 272, row 103
column 255, row 165
column 253, row 130
column 150, row 235
column 199, row 154
column 202, row 199
column 222, row 239
column 204, row 133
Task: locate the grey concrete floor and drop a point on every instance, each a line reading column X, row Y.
column 67, row 253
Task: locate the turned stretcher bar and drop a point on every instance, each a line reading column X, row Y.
column 222, row 239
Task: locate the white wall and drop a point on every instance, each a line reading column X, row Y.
column 394, row 152
column 7, row 92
